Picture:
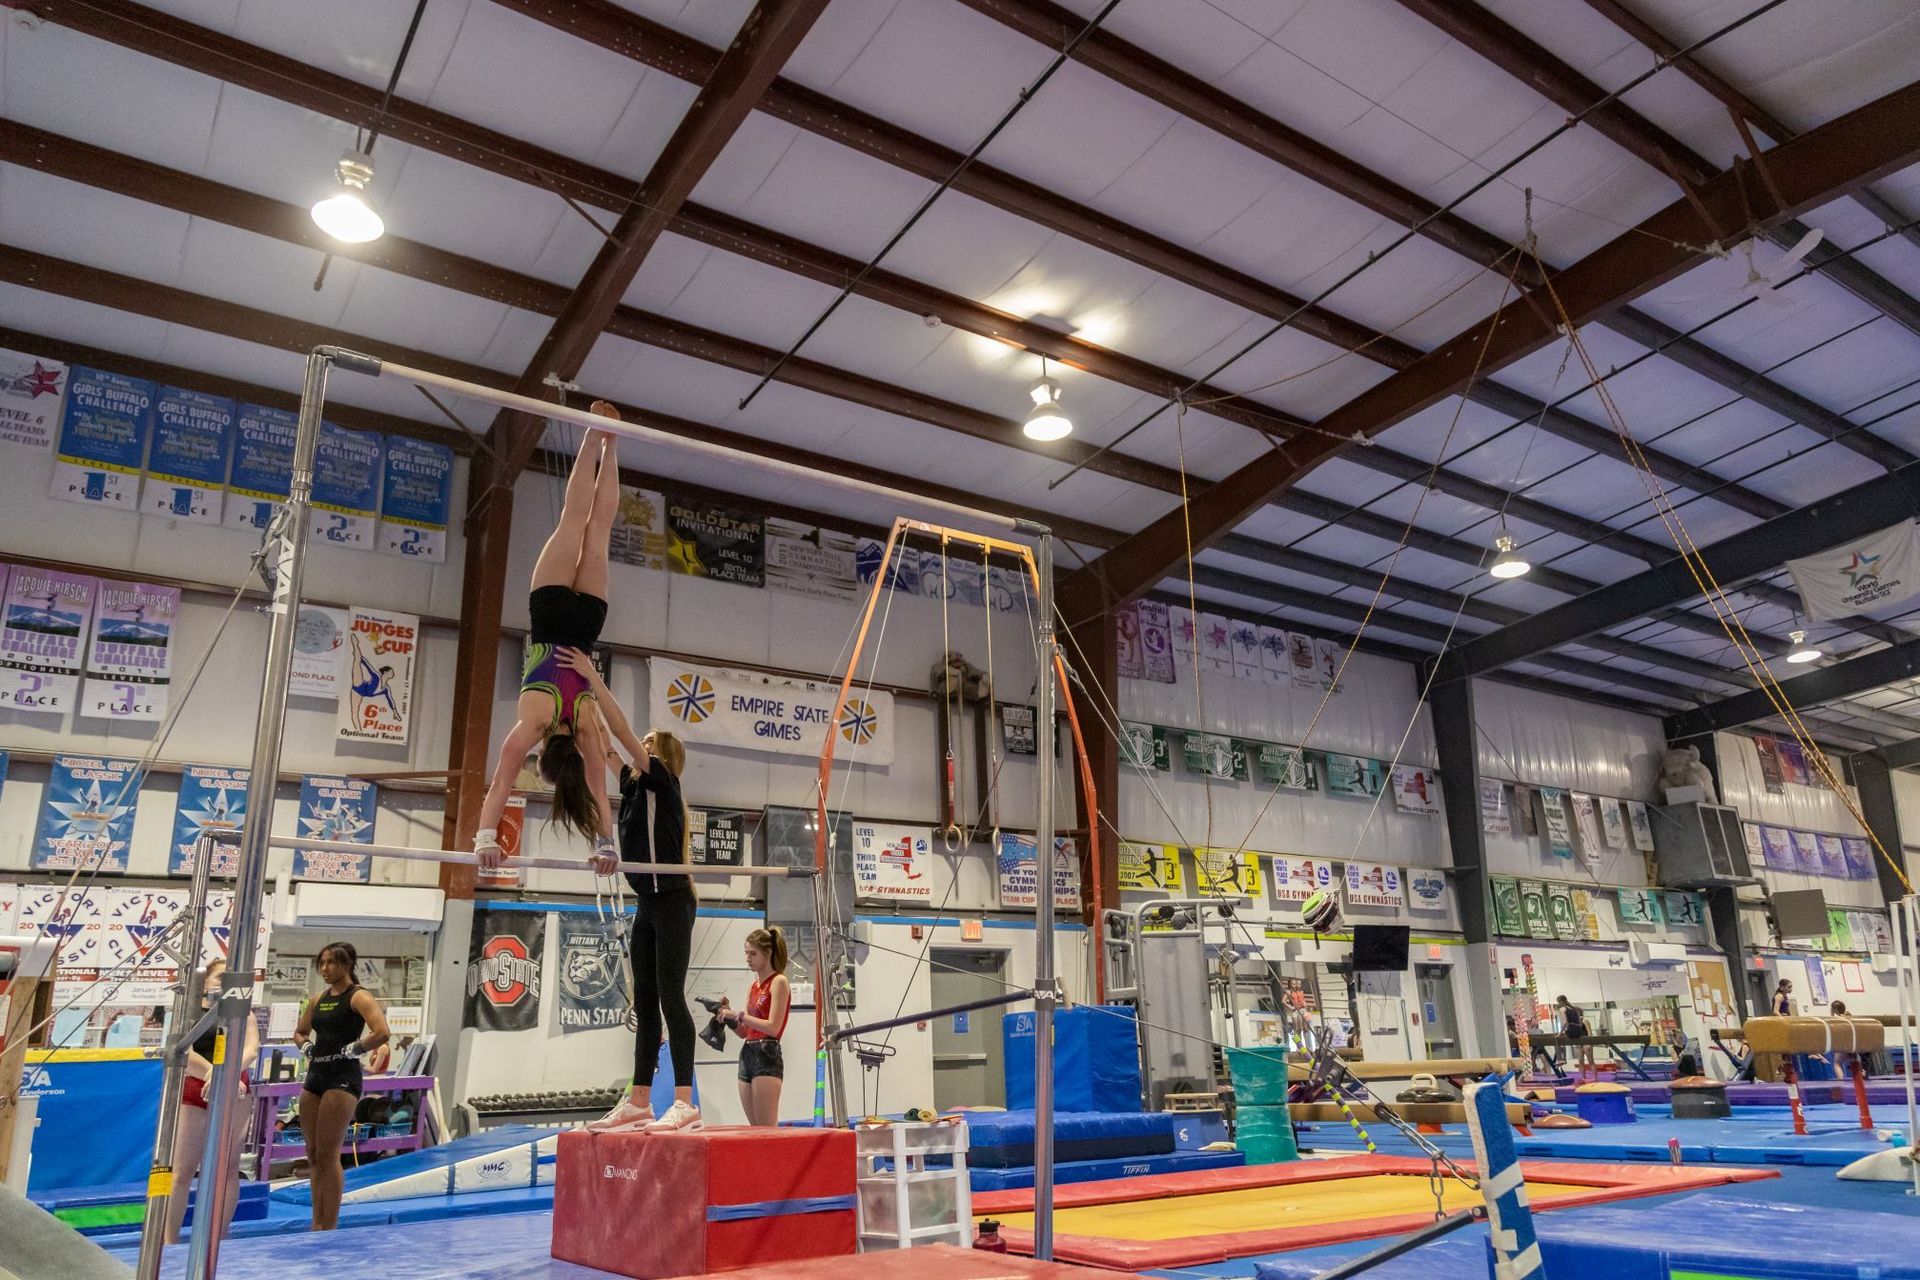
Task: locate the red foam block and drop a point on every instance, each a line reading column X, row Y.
column 657, row 1205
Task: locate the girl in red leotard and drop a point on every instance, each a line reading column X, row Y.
column 761, row 1026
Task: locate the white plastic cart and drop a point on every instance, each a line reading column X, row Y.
column 903, row 1202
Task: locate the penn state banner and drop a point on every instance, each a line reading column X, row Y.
column 1878, row 569
column 766, row 713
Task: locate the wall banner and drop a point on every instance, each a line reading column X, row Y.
column 319, row 652
column 1354, row 776
column 1559, row 832
column 1132, row 661
column 211, row 799
column 1426, row 889
column 1415, row 789
column 1806, row 853
column 416, row 499
column 893, row 862
column 709, row 540
column 504, row 965
column 810, row 561
column 1152, row 868
column 1373, row 884
column 1871, row 571
column 1833, row 857
column 32, row 390
column 1642, row 827
column 1495, row 818
column 103, row 439
column 1287, row 767
column 335, row 809
column 262, row 465
column 381, row 649
column 1018, row 882
column 42, row 633
column 1142, row 745
column 719, row 837
column 767, row 713
column 346, row 486
column 1858, row 851
column 1778, row 843
column 130, row 660
column 1226, row 871
column 1156, row 640
column 86, row 814
column 591, row 995
column 187, row 465
column 1292, row 880
column 1509, row 919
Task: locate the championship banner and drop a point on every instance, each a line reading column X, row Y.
column 504, row 962
column 319, row 652
column 135, row 921
column 1586, row 821
column 903, row 571
column 1415, row 789
column 1559, row 835
column 1214, row 644
column 335, row 809
column 103, row 439
column 346, row 486
column 639, row 535
column 1876, row 569
column 381, row 648
column 1806, row 853
column 1613, row 823
column 892, row 862
column 31, row 392
column 1639, row 906
column 1533, row 909
column 130, row 660
column 1642, row 827
column 1793, row 763
column 810, row 561
column 1292, row 880
column 1017, row 729
column 1374, row 884
column 211, row 798
column 1560, row 912
column 416, row 499
column 1019, row 883
column 1328, row 657
column 966, row 583
column 1156, row 640
column 75, row 922
column 262, row 465
column 1213, row 755
column 1779, row 849
column 767, row 713
column 1226, row 871
column 1008, row 590
column 1495, row 818
column 1153, row 868
column 86, row 814
column 1274, row 664
column 1354, row 776
column 591, row 995
column 1245, row 638
column 1858, row 851
column 1131, row 662
column 1289, row 767
column 719, row 838
column 42, row 632
column 1685, row 908
column 1833, row 857
column 1526, row 820
column 1426, row 890
column 1185, row 632
column 1509, row 920
column 187, row 465
column 708, row 540
column 1144, row 746
column 1767, row 748
column 1301, row 665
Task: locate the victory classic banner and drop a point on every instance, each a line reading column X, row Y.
column 381, row 648
column 416, row 497
column 130, row 662
column 43, row 628
column 1878, row 569
column 103, row 439
column 187, row 468
column 766, row 713
column 31, row 392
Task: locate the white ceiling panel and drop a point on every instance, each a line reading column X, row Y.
column 638, row 137
column 830, row 196
column 670, row 266
column 974, row 249
column 1204, row 37
column 355, row 38
column 422, row 315
column 459, row 208
column 1597, row 564
column 1287, row 370
column 1156, row 191
column 106, row 95
column 712, row 22
column 836, row 39
column 1080, row 133
column 98, row 228
column 1814, row 474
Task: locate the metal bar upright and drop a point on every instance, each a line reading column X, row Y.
column 236, row 984
column 1044, row 991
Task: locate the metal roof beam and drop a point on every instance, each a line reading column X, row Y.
column 1828, row 684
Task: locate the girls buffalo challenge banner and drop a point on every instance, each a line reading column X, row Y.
column 504, row 964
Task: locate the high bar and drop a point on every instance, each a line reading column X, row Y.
column 374, row 366
column 405, row 854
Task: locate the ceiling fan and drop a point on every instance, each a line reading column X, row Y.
column 1762, row 285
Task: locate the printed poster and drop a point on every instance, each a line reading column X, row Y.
column 211, row 798
column 1152, row 868
column 810, row 561
column 319, row 652
column 757, row 712
column 1793, row 762
column 42, row 636
column 336, row 809
column 1017, row 732
column 1767, row 748
column 711, row 540
column 1526, row 820
column 1213, row 755
column 75, row 921
column 1156, row 640
column 134, row 922
column 893, row 862
column 1858, row 851
column 903, row 571
column 1301, row 663
column 1839, row 932
column 1495, row 819
column 1639, row 906
column 1225, row 872
column 1816, row 979
column 1144, row 746
column 1587, row 821
column 1778, row 843
column 1416, row 789
column 103, row 439
column 1186, row 636
column 1274, row 665
column 1833, row 856
column 1247, row 663
column 381, row 649
column 1018, row 882
column 86, row 814
column 1130, row 660
column 1288, row 767
column 1329, row 656
column 1637, row 819
column 1426, row 889
column 187, row 463
column 1292, row 880
column 416, row 499
column 503, row 971
column 592, row 997
column 1373, row 884
column 1215, row 647
column 1613, row 823
column 32, row 389
column 1685, row 908
column 1509, row 920
column 130, row 660
column 639, row 536
column 1354, row 776
column 1560, row 913
column 1756, row 848
column 719, row 838
column 1559, row 834
column 1585, row 916
column 347, row 466
column 1806, row 853
column 262, row 471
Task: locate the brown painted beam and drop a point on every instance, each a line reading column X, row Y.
column 1865, row 144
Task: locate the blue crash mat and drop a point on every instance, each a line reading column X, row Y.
column 1103, row 1170
column 1004, row 1139
column 1723, row 1236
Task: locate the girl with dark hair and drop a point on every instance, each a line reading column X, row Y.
column 566, row 607
column 761, row 1026
column 653, row 828
column 339, row 1025
column 190, row 1132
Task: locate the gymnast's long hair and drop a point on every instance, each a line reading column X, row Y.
column 565, row 770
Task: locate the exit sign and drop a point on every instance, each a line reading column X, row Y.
column 972, row 930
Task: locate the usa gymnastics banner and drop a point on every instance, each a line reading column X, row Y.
column 346, row 486
column 262, row 465
column 381, row 648
column 43, row 632
column 103, row 439
column 187, row 468
column 130, row 661
column 766, row 713
column 415, row 499
column 893, row 861
column 31, row 391
column 335, row 809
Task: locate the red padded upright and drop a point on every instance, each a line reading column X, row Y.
column 688, row 1204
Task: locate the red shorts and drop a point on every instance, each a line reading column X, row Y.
column 194, row 1092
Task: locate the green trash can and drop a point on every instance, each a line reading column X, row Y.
column 1264, row 1134
column 1259, row 1076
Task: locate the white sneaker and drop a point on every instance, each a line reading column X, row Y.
column 623, row 1118
column 680, row 1118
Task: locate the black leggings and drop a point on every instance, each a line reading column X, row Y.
column 662, row 948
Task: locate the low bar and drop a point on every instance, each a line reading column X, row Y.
column 989, row 1002
column 404, row 854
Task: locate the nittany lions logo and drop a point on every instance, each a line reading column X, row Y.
column 690, row 697
column 858, row 721
column 588, row 970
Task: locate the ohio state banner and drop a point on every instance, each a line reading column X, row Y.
column 766, row 713
column 1877, row 569
column 503, row 970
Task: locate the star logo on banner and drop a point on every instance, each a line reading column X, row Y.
column 1860, row 569
column 858, row 722
column 41, row 382
column 690, row 697
column 88, row 814
column 337, row 821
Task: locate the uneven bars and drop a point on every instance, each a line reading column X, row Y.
column 405, row 854
column 374, row 366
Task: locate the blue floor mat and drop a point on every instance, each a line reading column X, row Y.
column 1101, row 1170
column 288, row 1219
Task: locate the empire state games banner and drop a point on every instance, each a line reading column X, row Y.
column 1877, row 569
column 766, row 713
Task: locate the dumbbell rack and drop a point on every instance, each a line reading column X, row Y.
column 565, row 1108
column 902, row 1201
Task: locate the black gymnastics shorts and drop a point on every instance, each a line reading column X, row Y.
column 338, row 1074
column 561, row 615
column 761, row 1058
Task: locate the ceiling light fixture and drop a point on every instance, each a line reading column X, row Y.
column 1801, row 651
column 347, row 215
column 1047, row 421
column 1509, row 563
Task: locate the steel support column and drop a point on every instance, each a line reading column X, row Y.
column 1873, row 780
column 1456, row 742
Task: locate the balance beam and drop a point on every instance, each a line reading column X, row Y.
column 1475, row 1067
column 1519, row 1114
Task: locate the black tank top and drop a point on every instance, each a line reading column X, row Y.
column 204, row 1045
column 336, row 1023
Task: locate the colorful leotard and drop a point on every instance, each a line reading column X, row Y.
column 544, row 673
